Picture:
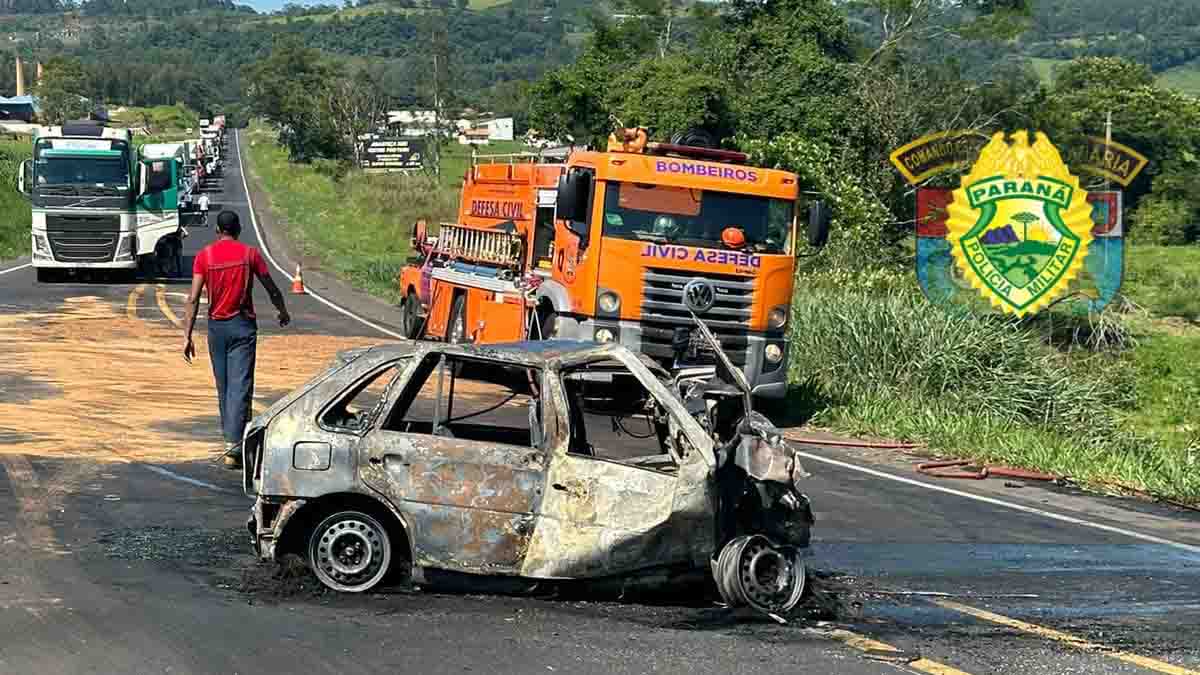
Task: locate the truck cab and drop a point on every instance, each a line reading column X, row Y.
column 95, row 204
column 652, row 234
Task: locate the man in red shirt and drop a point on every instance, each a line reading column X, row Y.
column 228, row 267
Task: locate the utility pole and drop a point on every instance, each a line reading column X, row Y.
column 1107, row 143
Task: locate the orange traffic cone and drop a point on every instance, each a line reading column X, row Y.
column 298, row 282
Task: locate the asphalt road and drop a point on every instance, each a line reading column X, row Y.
column 124, row 551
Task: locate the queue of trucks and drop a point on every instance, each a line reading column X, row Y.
column 102, row 204
column 633, row 245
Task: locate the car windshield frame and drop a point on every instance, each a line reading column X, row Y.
column 117, row 156
column 767, row 232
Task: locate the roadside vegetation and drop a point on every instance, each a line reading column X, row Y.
column 14, row 208
column 357, row 225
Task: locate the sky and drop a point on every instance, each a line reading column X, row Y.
column 272, row 5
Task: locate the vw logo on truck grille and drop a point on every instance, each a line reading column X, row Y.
column 699, row 295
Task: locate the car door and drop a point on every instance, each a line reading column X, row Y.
column 469, row 493
column 607, row 514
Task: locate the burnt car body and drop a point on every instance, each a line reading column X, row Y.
column 373, row 466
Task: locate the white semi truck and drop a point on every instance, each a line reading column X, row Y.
column 100, row 205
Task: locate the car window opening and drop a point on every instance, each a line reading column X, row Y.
column 606, row 403
column 473, row 400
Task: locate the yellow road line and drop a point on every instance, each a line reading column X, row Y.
column 866, row 644
column 1067, row 638
column 131, row 304
column 160, row 294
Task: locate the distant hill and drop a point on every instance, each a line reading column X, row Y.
column 30, row 6
column 156, row 7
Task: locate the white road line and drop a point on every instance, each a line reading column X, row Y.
column 262, row 244
column 14, row 269
column 1190, row 548
column 179, row 477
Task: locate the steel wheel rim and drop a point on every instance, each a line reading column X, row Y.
column 350, row 552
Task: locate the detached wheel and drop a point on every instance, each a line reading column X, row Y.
column 456, row 332
column 410, row 316
column 350, row 552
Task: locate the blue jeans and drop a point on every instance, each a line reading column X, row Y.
column 232, row 346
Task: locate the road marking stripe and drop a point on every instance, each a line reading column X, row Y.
column 131, row 304
column 866, row 644
column 14, row 269
column 1067, row 638
column 262, row 244
column 185, row 479
column 160, row 295
column 1190, row 548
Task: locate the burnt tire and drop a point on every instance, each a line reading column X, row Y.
column 456, row 328
column 350, row 551
column 410, row 316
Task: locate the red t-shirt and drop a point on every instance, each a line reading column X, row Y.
column 229, row 267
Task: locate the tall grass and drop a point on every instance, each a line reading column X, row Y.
column 14, row 208
column 357, row 225
column 976, row 386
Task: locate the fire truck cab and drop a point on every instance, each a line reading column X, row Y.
column 630, row 245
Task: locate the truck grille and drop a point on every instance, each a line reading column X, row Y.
column 663, row 311
column 83, row 239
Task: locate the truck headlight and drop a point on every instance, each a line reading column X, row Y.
column 777, row 317
column 605, row 335
column 40, row 245
column 774, row 353
column 609, row 302
column 125, row 248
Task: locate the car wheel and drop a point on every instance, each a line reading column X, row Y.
column 456, row 332
column 410, row 316
column 350, row 552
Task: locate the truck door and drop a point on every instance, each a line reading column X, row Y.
column 460, row 455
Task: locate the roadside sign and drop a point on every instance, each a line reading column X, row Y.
column 393, row 154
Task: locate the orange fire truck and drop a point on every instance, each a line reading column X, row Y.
column 621, row 245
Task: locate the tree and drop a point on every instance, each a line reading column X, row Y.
column 1025, row 218
column 61, row 94
column 291, row 89
column 356, row 104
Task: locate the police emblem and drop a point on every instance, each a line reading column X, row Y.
column 1019, row 225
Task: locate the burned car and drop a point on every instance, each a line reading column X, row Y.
column 549, row 460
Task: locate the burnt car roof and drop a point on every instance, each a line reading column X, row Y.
column 548, row 353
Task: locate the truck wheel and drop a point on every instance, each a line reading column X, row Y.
column 48, row 276
column 350, row 551
column 548, row 324
column 456, row 331
column 410, row 316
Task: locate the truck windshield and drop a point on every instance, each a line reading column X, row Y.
column 83, row 169
column 660, row 213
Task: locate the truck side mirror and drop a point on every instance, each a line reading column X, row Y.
column 158, row 176
column 574, row 188
column 25, row 178
column 819, row 216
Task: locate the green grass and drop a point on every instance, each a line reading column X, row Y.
column 1045, row 68
column 1185, row 78
column 14, row 208
column 993, row 390
column 456, row 158
column 159, row 118
column 1164, row 280
column 358, row 226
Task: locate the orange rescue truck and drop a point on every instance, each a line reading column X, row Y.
column 622, row 245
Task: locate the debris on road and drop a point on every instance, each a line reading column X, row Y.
column 968, row 470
